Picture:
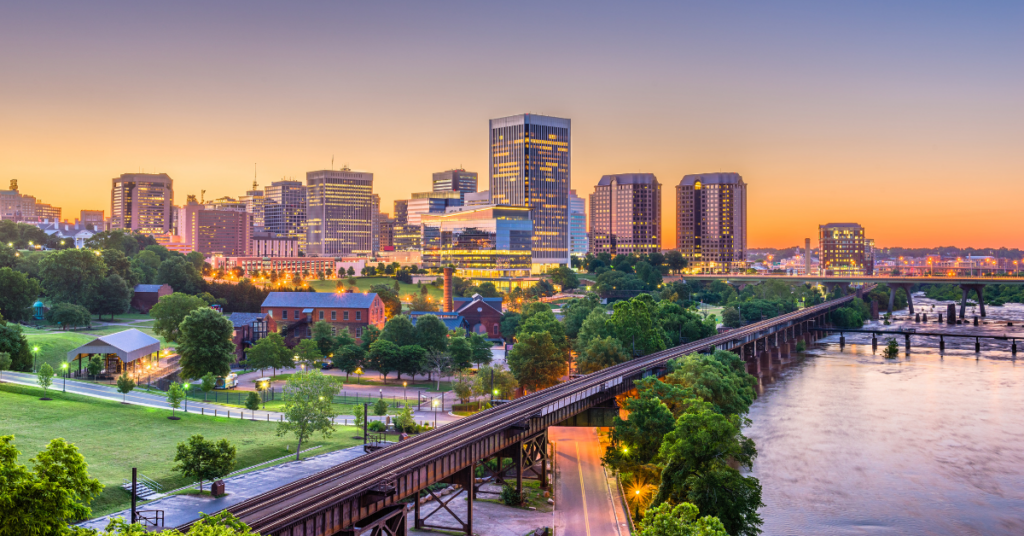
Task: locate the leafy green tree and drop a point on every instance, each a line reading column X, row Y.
column 463, row 389
column 461, row 351
column 510, row 324
column 119, row 264
column 503, row 381
column 5, row 363
column 422, row 302
column 536, row 361
column 8, row 256
column 595, row 326
column 564, row 277
column 208, row 383
column 13, row 342
column 618, row 280
column 636, row 441
column 682, row 325
column 383, row 357
column 267, row 352
column 204, row 460
column 675, row 260
column 481, row 349
column 575, row 312
column 360, row 415
column 392, row 303
column 221, row 524
column 439, row 363
column 431, row 333
column 323, row 336
column 404, row 420
column 370, row 334
column 308, row 353
column 147, row 264
column 94, row 366
column 44, row 500
column 380, row 407
column 648, row 274
column 343, row 339
column 399, row 330
column 175, row 394
column 348, row 358
column 410, row 359
column 45, row 377
column 715, row 380
column 19, row 292
column 698, row 454
column 113, row 296
column 180, row 274
column 71, row 275
column 171, row 310
column 635, row 324
column 206, row 344
column 252, row 402
column 679, row 520
column 308, row 407
column 196, row 259
column 125, row 385
column 601, row 354
column 68, row 315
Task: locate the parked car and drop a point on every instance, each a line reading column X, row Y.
column 324, row 365
column 227, row 382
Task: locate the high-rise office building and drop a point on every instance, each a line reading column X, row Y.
column 386, row 233
column 284, row 210
column 142, row 202
column 486, row 243
column 212, row 231
column 711, row 221
column 530, row 166
column 578, row 243
column 375, row 225
column 430, row 203
column 455, row 180
column 93, row 219
column 339, row 213
column 255, row 204
column 625, row 214
column 401, row 211
column 843, row 250
column 478, row 199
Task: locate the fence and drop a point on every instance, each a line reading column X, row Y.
column 416, row 400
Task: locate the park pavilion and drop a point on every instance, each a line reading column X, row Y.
column 129, row 350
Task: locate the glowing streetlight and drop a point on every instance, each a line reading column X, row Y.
column 64, row 369
column 434, row 404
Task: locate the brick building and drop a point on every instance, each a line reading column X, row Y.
column 298, row 311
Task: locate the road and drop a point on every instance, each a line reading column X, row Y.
column 158, row 401
column 585, row 504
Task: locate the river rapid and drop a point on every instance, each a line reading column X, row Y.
column 850, row 443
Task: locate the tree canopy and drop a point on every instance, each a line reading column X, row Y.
column 202, row 459
column 206, row 344
column 170, row 310
column 308, row 407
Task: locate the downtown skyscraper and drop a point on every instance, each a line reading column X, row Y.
column 530, row 157
column 141, row 202
column 625, row 215
column 340, row 213
column 711, row 221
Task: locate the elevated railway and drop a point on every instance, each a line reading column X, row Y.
column 366, row 495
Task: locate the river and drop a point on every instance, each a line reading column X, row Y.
column 849, row 443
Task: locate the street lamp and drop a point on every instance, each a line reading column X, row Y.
column 263, row 386
column 434, row 404
column 186, row 386
column 404, row 395
column 381, row 391
column 64, row 368
column 35, row 354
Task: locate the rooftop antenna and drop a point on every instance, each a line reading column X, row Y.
column 254, row 175
column 332, row 162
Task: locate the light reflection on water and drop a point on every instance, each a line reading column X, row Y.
column 851, row 444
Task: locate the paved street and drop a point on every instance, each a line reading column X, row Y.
column 584, row 501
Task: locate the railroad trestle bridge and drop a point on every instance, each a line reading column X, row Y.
column 371, row 495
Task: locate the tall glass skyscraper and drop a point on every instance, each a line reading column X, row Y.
column 711, row 221
column 530, row 166
column 340, row 213
column 455, row 180
column 141, row 202
column 284, row 210
column 578, row 243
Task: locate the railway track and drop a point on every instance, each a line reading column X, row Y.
column 273, row 510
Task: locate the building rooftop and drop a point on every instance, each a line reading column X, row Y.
column 147, row 288
column 712, row 178
column 129, row 345
column 451, row 320
column 628, row 178
column 245, row 319
column 352, row 300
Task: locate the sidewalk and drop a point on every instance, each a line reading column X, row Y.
column 180, row 509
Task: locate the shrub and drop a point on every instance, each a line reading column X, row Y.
column 801, row 346
column 376, row 426
column 510, row 497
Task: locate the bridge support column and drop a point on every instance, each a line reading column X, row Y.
column 892, row 298
column 465, row 478
column 910, row 299
column 980, row 291
column 906, row 338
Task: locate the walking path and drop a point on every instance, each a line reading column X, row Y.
column 180, row 509
column 159, row 401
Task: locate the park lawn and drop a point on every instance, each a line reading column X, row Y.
column 115, row 437
column 364, row 284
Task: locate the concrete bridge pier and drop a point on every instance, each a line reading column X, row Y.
column 980, row 291
column 906, row 338
column 874, row 342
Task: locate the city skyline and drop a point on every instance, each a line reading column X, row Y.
column 795, row 97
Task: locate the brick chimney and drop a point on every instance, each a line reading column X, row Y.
column 448, row 304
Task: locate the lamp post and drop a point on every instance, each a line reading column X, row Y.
column 263, row 387
column 434, row 403
column 404, row 394
column 186, row 386
column 64, row 370
column 35, row 354
column 381, row 392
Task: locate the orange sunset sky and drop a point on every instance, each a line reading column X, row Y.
column 906, row 119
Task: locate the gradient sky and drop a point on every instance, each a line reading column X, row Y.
column 907, row 117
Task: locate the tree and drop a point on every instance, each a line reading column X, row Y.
column 267, row 352
column 481, row 348
column 170, row 311
column 19, row 292
column 404, row 420
column 308, row 353
column 175, row 394
column 119, row 264
column 370, row 334
column 564, row 277
column 146, row 264
column 13, row 341
column 431, row 333
column 544, row 321
column 392, row 304
column 510, row 324
column 113, row 297
column 208, row 383
column 536, row 361
column 719, row 379
column 422, row 302
column 204, row 460
column 601, row 354
column 399, row 330
column 360, row 416
column 125, row 385
column 68, row 315
column 43, row 501
column 639, row 438
column 635, row 324
column 679, row 520
column 5, row 363
column 411, row 358
column 461, row 351
column 71, row 275
column 8, row 256
column 463, row 389
column 45, row 378
column 383, row 357
column 380, row 407
column 503, row 381
column 438, row 362
column 348, row 358
column 252, row 402
column 308, row 407
column 698, row 454
column 206, row 344
column 323, row 336
column 222, row 524
column 180, row 274
column 95, row 366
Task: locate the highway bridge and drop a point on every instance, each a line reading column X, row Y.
column 371, row 494
column 966, row 284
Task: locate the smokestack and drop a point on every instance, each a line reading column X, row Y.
column 448, row 304
column 807, row 256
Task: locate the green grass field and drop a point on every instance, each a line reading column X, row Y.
column 114, row 437
column 55, row 345
column 364, row 284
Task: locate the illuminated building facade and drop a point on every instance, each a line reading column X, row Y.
column 431, row 203
column 386, row 233
column 339, row 213
column 284, row 210
column 212, row 231
column 530, row 166
column 402, row 211
column 141, row 202
column 578, row 243
column 625, row 214
column 455, row 180
column 711, row 221
column 407, row 237
column 844, row 251
column 272, row 245
column 487, row 243
column 255, row 201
